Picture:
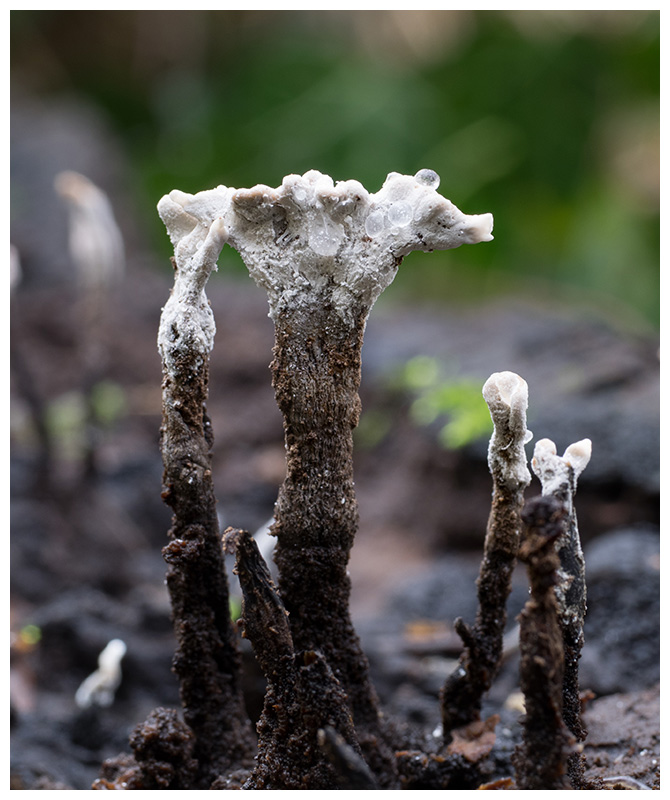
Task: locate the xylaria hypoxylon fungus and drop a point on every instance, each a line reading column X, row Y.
column 324, row 252
column 558, row 475
column 506, row 395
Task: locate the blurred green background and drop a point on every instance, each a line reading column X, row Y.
column 547, row 119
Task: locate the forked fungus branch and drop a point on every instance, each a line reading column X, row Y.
column 558, row 475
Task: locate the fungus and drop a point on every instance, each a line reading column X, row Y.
column 97, row 253
column 302, row 698
column 506, row 395
column 207, row 661
column 324, row 252
column 542, row 760
column 558, row 475
column 100, row 686
column 96, row 244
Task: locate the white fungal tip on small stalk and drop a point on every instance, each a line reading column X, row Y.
column 187, row 322
column 578, row 455
column 311, row 236
column 558, row 473
column 100, row 686
column 506, row 395
column 96, row 243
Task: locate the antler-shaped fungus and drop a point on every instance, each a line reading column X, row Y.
column 558, row 475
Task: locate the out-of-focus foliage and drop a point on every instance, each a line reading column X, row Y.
column 456, row 401
column 548, row 119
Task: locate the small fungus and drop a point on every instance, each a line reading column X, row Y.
column 100, row 686
column 506, row 395
column 558, row 475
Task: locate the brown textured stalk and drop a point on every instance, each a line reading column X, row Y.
column 507, row 397
column 316, row 375
column 541, row 761
column 303, row 696
column 207, row 660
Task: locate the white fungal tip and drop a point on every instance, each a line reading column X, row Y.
column 179, row 197
column 507, row 387
column 578, row 455
column 544, row 448
column 219, row 231
column 478, row 228
column 71, row 185
column 112, row 654
column 99, row 688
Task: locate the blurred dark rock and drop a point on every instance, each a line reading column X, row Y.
column 622, row 648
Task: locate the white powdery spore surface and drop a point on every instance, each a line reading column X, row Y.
column 187, row 323
column 506, row 395
column 558, row 474
column 312, row 237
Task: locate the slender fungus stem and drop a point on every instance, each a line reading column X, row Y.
column 324, row 252
column 542, row 759
column 558, row 476
column 506, row 395
column 207, row 661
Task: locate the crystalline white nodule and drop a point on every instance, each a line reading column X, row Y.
column 325, row 236
column 300, row 194
column 374, row 224
column 400, row 214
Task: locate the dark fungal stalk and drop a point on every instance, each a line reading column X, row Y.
column 541, row 761
column 303, row 697
column 207, row 661
column 316, row 374
column 558, row 475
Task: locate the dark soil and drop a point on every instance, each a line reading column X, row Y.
column 86, row 551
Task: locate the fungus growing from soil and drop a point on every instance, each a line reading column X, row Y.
column 324, row 252
column 542, row 760
column 506, row 395
column 558, row 475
